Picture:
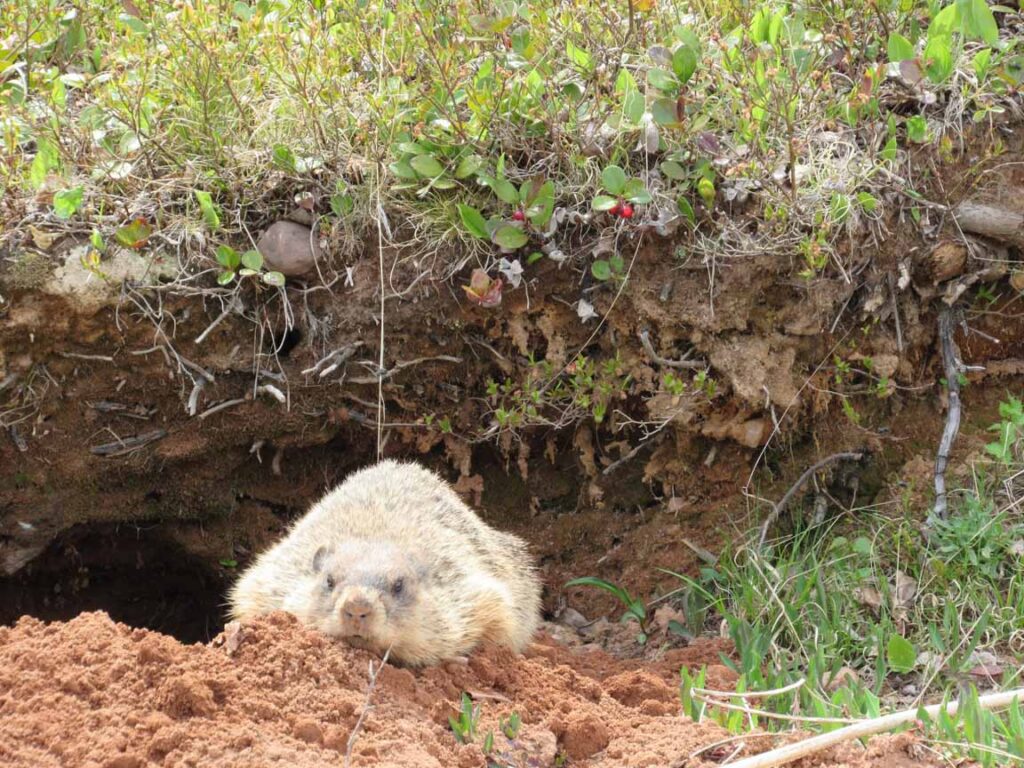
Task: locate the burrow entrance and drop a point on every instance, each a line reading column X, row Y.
column 137, row 574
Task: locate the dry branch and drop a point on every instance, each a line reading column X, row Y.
column 784, row 501
column 990, row 221
column 791, row 752
column 951, row 367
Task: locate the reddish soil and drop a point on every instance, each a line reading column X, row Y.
column 97, row 694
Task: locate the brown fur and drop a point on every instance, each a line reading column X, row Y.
column 430, row 579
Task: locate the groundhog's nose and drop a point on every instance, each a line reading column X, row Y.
column 357, row 609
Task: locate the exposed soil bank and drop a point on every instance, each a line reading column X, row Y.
column 94, row 694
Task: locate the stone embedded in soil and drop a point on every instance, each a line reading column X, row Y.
column 290, row 248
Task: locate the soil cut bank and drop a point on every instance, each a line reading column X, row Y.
column 93, row 693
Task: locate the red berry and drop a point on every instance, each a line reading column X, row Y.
column 518, row 215
column 614, row 210
column 627, row 211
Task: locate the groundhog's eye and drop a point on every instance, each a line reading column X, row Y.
column 397, row 587
column 330, row 583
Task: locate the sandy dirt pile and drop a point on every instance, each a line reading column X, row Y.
column 93, row 693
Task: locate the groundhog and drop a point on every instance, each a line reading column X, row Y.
column 392, row 558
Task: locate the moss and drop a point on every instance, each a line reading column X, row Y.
column 28, row 270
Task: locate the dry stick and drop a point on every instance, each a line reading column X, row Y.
column 952, row 371
column 774, row 515
column 221, row 406
column 791, row 752
column 367, row 706
column 645, row 341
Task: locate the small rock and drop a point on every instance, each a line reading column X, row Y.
column 290, row 249
column 308, row 731
column 573, row 618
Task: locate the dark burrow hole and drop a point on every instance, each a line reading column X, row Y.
column 285, row 342
column 138, row 575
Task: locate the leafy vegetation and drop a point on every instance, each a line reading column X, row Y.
column 494, row 132
column 838, row 626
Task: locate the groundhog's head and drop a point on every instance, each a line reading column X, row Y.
column 365, row 592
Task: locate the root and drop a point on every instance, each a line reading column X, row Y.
column 791, row 752
column 784, row 501
column 951, row 366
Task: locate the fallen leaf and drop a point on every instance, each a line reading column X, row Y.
column 43, row 240
column 906, row 591
column 482, row 290
column 868, row 596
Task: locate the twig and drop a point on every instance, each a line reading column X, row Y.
column 692, row 365
column 380, row 377
column 951, row 366
column 367, row 707
column 128, row 444
column 221, row 407
column 791, row 752
column 79, row 356
column 227, row 311
column 778, row 509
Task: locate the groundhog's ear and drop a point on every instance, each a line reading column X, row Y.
column 319, row 557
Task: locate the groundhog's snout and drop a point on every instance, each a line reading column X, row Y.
column 357, row 614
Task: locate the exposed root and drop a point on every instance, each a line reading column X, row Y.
column 952, row 368
column 784, row 501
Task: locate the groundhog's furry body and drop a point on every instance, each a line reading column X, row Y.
column 394, row 558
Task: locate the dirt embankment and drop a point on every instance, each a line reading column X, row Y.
column 94, row 694
column 142, row 419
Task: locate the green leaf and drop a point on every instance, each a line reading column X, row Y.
column 684, row 63
column 342, row 204
column 602, row 270
column 273, row 278
column 228, row 257
column 613, row 179
column 427, row 166
column 67, row 202
column 980, row 22
column 580, row 57
column 468, row 166
column 917, row 129
column 510, row 237
column 47, row 159
column 604, row 203
column 135, row 234
column 403, row 170
column 662, row 80
column 839, row 208
column 899, row 48
column 474, row 221
column 674, row 170
column 543, row 205
column 283, row 157
column 665, row 111
column 209, row 210
column 504, row 189
column 945, row 22
column 706, row 190
column 901, row 654
column 938, row 58
column 686, row 209
column 867, row 201
column 534, row 257
column 225, row 277
column 889, row 151
column 636, row 192
column 981, row 62
column 633, row 107
column 252, row 260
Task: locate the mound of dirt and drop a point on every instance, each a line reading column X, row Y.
column 93, row 693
